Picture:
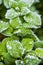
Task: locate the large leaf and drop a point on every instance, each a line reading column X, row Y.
column 28, row 44
column 15, row 48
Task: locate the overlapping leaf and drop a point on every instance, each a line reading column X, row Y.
column 28, row 44
column 3, row 26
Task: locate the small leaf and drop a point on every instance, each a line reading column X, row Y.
column 15, row 23
column 8, row 3
column 22, row 31
column 11, row 13
column 33, row 20
column 3, row 45
column 8, row 59
column 25, row 3
column 39, row 52
column 38, row 44
column 19, row 62
column 24, row 11
column 8, row 32
column 3, row 26
column 28, row 44
column 30, row 25
column 15, row 48
column 31, row 60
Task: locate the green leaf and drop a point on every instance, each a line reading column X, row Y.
column 38, row 44
column 15, row 23
column 3, row 49
column 22, row 31
column 33, row 20
column 19, row 62
column 33, row 53
column 8, row 32
column 31, row 60
column 15, row 48
column 29, row 25
column 8, row 59
column 8, row 3
column 25, row 3
column 25, row 11
column 3, row 26
column 28, row 44
column 11, row 13
column 39, row 52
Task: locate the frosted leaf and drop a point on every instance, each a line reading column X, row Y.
column 3, row 26
column 31, row 60
column 8, row 3
column 30, row 25
column 25, row 3
column 8, row 32
column 28, row 44
column 33, row 19
column 11, row 13
column 16, row 49
column 15, row 23
column 22, row 31
column 19, row 62
column 39, row 52
column 24, row 11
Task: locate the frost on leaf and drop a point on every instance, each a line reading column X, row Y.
column 31, row 60
column 15, row 48
column 8, row 32
column 25, row 11
column 8, row 3
column 3, row 26
column 22, row 31
column 11, row 13
column 25, row 3
column 33, row 20
column 19, row 62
